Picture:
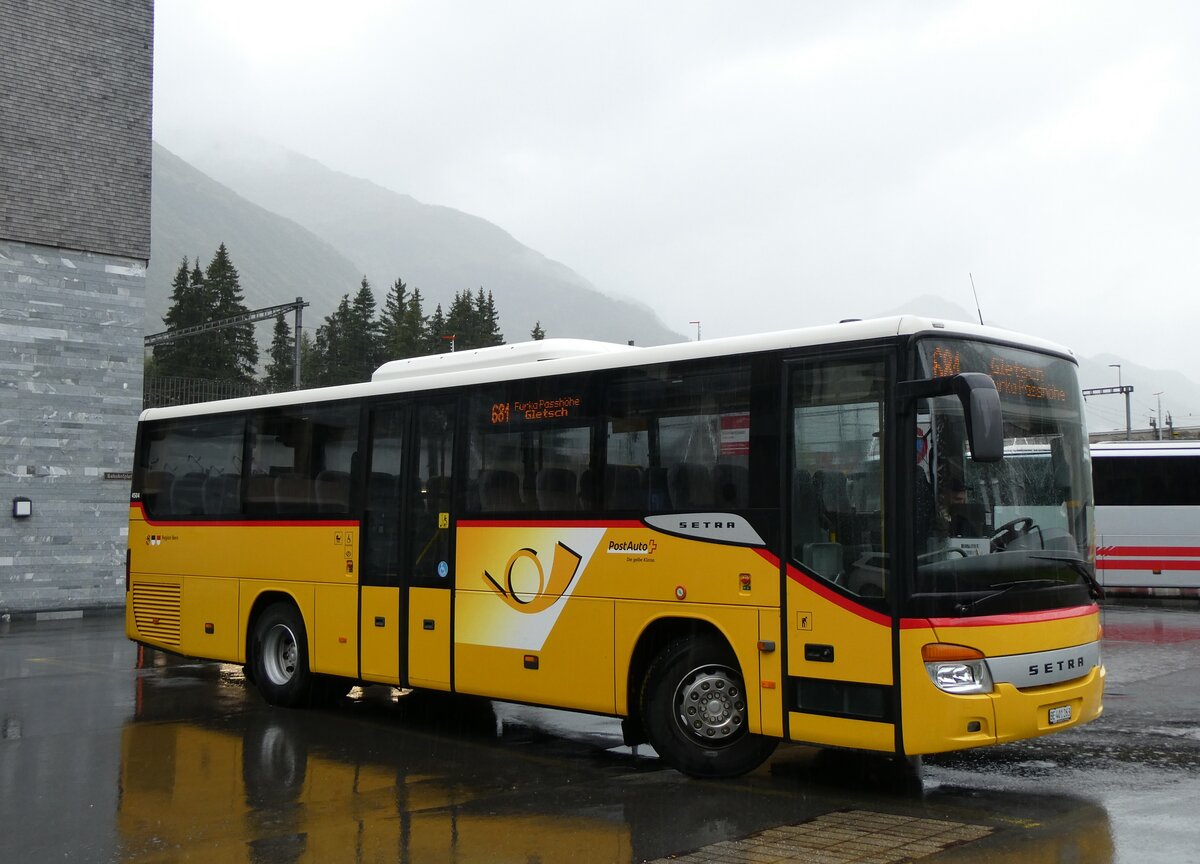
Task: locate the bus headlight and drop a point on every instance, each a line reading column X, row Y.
column 957, row 668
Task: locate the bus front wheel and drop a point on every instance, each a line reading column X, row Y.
column 280, row 661
column 695, row 711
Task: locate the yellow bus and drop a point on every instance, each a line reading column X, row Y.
column 801, row 536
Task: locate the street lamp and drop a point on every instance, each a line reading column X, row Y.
column 1116, row 366
column 697, row 323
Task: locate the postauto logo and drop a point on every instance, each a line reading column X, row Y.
column 632, row 547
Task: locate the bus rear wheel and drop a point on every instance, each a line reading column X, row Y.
column 280, row 657
column 695, row 711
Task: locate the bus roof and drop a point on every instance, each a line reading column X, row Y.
column 564, row 356
column 1145, row 448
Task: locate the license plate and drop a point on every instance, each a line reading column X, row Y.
column 1060, row 715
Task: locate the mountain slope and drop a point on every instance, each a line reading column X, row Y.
column 437, row 249
column 277, row 260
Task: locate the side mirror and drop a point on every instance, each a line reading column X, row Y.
column 981, row 408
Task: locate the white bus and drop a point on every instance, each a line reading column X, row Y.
column 1148, row 516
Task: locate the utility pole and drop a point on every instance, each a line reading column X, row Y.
column 1159, row 394
column 1126, row 389
column 1128, row 418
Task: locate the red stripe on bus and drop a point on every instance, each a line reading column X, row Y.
column 1011, row 618
column 245, row 523
column 548, row 523
column 1158, row 551
column 1146, row 564
column 827, row 593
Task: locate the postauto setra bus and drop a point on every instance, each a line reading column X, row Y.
column 725, row 543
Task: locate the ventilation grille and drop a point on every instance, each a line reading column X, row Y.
column 156, row 612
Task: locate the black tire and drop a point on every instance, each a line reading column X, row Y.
column 694, row 710
column 280, row 657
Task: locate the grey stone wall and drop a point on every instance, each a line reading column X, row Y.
column 75, row 117
column 71, row 329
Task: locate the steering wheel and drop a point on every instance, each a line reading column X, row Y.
column 1010, row 531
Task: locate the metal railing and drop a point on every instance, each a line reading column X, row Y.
column 159, row 392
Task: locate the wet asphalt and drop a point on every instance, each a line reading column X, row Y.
column 111, row 753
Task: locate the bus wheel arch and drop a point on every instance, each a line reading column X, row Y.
column 277, row 651
column 690, row 700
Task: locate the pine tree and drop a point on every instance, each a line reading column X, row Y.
column 236, row 352
column 201, row 297
column 186, row 310
column 364, row 351
column 434, row 333
column 461, row 322
column 489, row 320
column 279, row 371
column 402, row 323
column 537, row 334
column 348, row 345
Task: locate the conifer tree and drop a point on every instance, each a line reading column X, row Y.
column 200, row 297
column 348, row 345
column 537, row 334
column 489, row 320
column 235, row 353
column 282, row 354
column 402, row 323
column 434, row 333
column 186, row 310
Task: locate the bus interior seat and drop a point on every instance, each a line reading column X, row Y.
column 731, row 485
column 623, row 487
column 557, row 489
column 223, row 494
column 658, row 490
column 499, row 490
column 691, row 486
column 187, row 494
column 333, row 491
column 293, row 493
column 260, row 494
column 156, row 491
column 825, row 559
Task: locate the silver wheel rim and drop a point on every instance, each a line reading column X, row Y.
column 280, row 653
column 711, row 705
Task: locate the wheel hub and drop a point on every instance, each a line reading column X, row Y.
column 711, row 705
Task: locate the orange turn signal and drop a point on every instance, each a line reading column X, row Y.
column 939, row 652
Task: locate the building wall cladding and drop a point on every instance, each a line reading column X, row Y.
column 75, row 124
column 70, row 392
column 75, row 113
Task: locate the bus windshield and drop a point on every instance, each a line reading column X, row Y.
column 1015, row 535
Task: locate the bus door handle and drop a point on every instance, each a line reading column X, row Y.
column 818, row 653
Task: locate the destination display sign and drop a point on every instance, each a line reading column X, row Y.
column 1018, row 374
column 534, row 410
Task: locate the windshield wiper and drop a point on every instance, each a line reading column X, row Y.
column 1095, row 589
column 1004, row 588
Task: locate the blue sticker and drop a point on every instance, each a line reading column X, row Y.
column 443, row 569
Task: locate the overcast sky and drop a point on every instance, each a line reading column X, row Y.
column 757, row 166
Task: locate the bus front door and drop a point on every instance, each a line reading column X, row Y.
column 840, row 678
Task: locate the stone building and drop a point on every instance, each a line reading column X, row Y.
column 75, row 126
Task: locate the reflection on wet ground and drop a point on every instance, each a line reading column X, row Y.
column 181, row 761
